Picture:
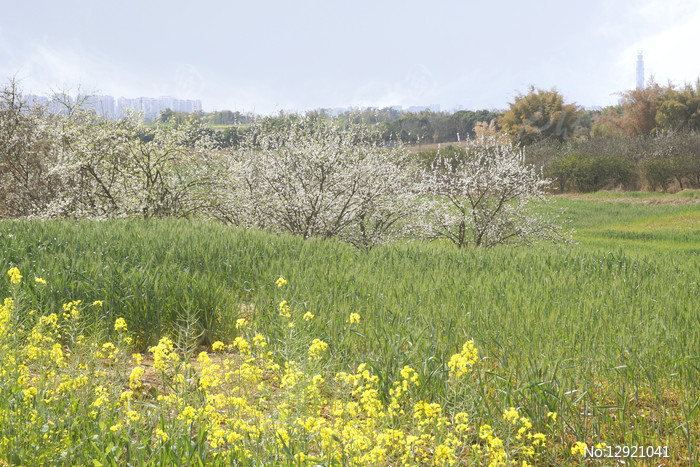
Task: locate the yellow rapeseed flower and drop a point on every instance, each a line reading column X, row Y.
column 408, row 374
column 284, row 309
column 538, row 439
column 242, row 345
column 218, row 345
column 101, row 396
column 97, row 303
column 444, row 455
column 485, row 432
column 161, row 435
column 120, row 324
column 578, row 448
column 39, row 280
column 461, row 423
column 259, row 341
column 526, row 424
column 354, row 318
column 281, row 281
column 164, row 354
column 133, row 416
column 308, row 316
column 135, row 381
column 188, row 414
column 29, row 393
column 56, row 354
column 316, row 349
column 15, row 276
column 108, row 351
column 511, row 415
column 461, row 362
column 71, row 310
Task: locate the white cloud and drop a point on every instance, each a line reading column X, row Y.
column 43, row 68
column 661, row 13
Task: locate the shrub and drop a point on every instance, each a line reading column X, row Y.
column 592, row 173
column 658, row 172
column 687, row 167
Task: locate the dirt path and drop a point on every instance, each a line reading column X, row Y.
column 649, row 201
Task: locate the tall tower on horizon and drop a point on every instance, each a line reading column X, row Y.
column 640, row 71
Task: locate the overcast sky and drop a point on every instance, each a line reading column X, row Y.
column 266, row 56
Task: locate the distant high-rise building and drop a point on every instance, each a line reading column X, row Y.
column 166, row 102
column 125, row 105
column 640, row 71
column 179, row 105
column 150, row 108
column 32, row 100
column 107, row 106
column 418, row 108
column 101, row 105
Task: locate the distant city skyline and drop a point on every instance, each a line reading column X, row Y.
column 268, row 56
column 109, row 107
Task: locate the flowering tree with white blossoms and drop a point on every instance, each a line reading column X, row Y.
column 26, row 185
column 174, row 173
column 485, row 198
column 121, row 168
column 315, row 179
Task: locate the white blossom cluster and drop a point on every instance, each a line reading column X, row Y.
column 314, row 179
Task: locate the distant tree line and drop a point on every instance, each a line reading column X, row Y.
column 649, row 141
column 423, row 127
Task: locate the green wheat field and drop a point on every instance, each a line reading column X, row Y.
column 186, row 348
